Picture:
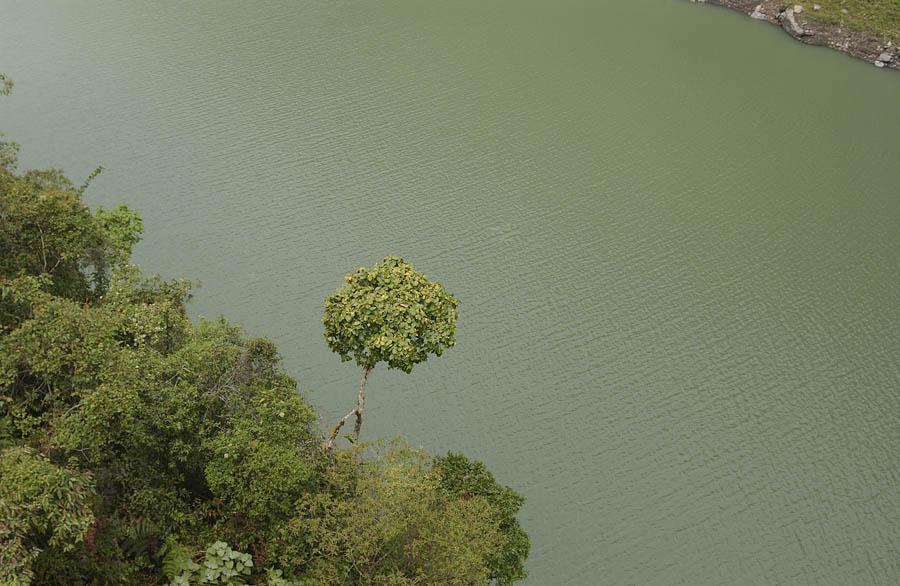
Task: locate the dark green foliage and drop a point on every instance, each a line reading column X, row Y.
column 9, row 155
column 45, row 229
column 266, row 458
column 466, row 478
column 382, row 518
column 177, row 562
column 41, row 506
column 188, row 430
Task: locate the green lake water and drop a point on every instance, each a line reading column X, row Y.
column 675, row 233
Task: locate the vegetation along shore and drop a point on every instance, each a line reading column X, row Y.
column 140, row 447
column 867, row 29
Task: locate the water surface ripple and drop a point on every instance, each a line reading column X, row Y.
column 675, row 234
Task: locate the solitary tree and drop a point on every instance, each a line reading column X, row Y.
column 387, row 313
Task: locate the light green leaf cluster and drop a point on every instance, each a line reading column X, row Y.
column 220, row 565
column 390, row 313
column 223, row 565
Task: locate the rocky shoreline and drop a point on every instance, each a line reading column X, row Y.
column 795, row 21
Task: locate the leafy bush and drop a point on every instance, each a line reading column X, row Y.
column 464, row 478
column 42, row 506
column 382, row 518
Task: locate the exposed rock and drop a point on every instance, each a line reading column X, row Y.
column 879, row 64
column 790, row 23
column 885, row 57
column 758, row 14
column 798, row 8
column 804, row 26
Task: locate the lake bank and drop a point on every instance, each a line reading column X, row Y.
column 809, row 27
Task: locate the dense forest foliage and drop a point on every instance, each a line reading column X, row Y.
column 138, row 447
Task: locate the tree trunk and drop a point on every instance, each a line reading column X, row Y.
column 358, row 411
column 360, row 403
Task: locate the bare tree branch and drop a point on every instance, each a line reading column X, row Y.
column 358, row 411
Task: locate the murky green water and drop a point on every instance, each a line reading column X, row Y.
column 675, row 233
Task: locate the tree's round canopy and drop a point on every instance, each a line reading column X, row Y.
column 390, row 313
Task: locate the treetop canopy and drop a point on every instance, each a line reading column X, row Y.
column 390, row 313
